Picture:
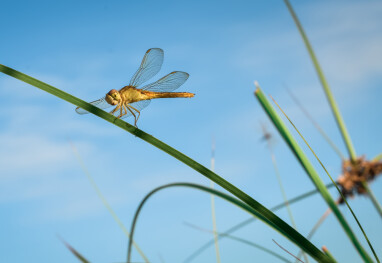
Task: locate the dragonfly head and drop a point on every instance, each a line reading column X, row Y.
column 113, row 97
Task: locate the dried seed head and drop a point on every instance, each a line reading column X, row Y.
column 354, row 174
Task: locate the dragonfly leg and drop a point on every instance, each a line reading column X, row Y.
column 124, row 107
column 139, row 113
column 132, row 112
column 116, row 108
column 120, row 111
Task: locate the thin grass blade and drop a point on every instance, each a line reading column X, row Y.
column 242, row 240
column 246, row 222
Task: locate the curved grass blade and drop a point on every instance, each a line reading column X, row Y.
column 242, row 240
column 302, row 242
column 263, row 212
column 250, row 220
column 333, row 105
column 312, row 173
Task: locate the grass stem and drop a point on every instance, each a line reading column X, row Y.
column 333, row 105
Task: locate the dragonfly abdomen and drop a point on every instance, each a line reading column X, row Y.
column 155, row 95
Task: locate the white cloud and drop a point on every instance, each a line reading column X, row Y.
column 30, row 153
column 347, row 41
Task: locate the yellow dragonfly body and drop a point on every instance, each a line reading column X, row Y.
column 130, row 100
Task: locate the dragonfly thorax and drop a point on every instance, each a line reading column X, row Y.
column 113, row 97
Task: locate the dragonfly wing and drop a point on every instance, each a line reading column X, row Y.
column 140, row 105
column 150, row 66
column 101, row 103
column 168, row 83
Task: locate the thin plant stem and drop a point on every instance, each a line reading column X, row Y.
column 104, row 201
column 287, row 251
column 250, row 220
column 273, row 157
column 213, row 213
column 374, row 200
column 370, row 193
column 333, row 105
column 316, row 125
column 317, row 225
column 241, row 240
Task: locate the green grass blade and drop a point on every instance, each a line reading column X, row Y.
column 278, row 176
column 333, row 105
column 242, row 240
column 291, row 234
column 105, row 202
column 327, row 252
column 263, row 213
column 313, row 175
column 250, row 220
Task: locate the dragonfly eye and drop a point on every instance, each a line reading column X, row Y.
column 113, row 97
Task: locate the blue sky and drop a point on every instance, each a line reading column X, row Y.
column 87, row 48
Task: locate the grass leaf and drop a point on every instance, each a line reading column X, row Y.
column 262, row 213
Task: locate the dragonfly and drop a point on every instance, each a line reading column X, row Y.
column 130, row 100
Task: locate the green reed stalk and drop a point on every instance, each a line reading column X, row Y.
column 333, row 105
column 313, row 175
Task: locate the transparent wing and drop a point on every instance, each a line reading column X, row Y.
column 150, row 66
column 140, row 105
column 168, row 83
column 101, row 103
